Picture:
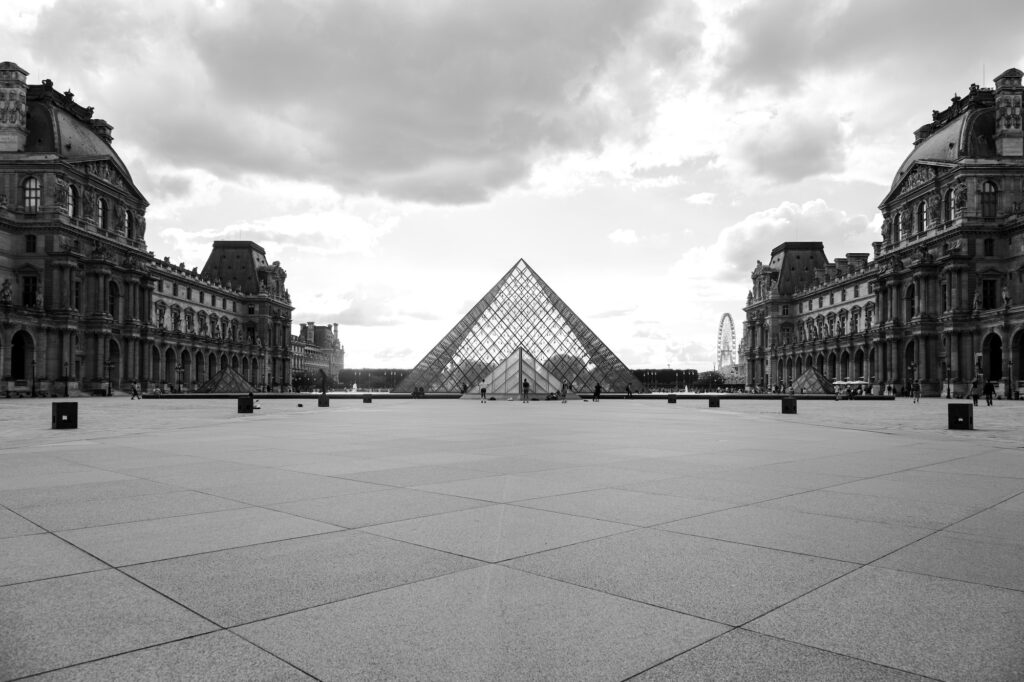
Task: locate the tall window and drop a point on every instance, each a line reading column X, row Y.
column 30, row 243
column 76, row 295
column 101, row 214
column 922, row 217
column 112, row 295
column 72, row 202
column 897, row 228
column 947, row 205
column 29, row 287
column 988, row 200
column 129, row 225
column 988, row 293
column 989, row 247
column 30, row 195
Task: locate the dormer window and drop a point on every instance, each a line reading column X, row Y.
column 31, row 192
column 72, row 202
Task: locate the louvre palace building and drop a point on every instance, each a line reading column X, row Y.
column 942, row 299
column 83, row 305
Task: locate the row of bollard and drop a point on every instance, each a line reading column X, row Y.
column 64, row 415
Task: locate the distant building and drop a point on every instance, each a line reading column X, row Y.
column 941, row 302
column 83, row 304
column 316, row 347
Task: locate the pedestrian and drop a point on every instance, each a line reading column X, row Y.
column 916, row 390
column 483, row 392
column 526, row 390
column 990, row 391
column 597, row 392
column 629, row 390
column 975, row 392
column 135, row 391
column 565, row 392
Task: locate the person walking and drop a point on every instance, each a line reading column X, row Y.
column 915, row 388
column 526, row 390
column 629, row 391
column 597, row 392
column 565, row 392
column 990, row 391
column 483, row 392
column 975, row 392
column 135, row 391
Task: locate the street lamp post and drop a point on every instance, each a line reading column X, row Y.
column 33, row 377
column 66, row 380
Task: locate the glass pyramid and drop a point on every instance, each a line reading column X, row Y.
column 519, row 327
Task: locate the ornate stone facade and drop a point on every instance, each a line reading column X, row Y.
column 317, row 347
column 83, row 304
column 941, row 302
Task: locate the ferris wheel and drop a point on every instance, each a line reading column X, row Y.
column 726, row 342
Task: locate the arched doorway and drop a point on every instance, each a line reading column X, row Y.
column 908, row 362
column 858, row 366
column 821, row 364
column 211, row 365
column 186, row 369
column 1015, row 366
column 992, row 357
column 844, row 366
column 154, row 366
column 170, row 362
column 831, row 366
column 234, row 362
column 224, row 361
column 200, row 368
column 23, row 350
column 255, row 380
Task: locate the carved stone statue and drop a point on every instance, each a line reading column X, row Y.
column 39, row 297
column 976, row 302
column 1006, row 297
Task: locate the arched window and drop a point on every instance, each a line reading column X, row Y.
column 947, row 205
column 31, row 192
column 988, row 199
column 922, row 216
column 72, row 202
column 101, row 214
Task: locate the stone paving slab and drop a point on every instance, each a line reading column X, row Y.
column 132, row 543
column 220, row 656
column 946, row 629
column 556, row 493
column 49, row 624
column 237, row 586
column 497, row 532
column 722, row 581
column 489, row 623
column 824, row 536
column 741, row 655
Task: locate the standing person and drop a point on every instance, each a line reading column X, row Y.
column 916, row 390
column 975, row 392
column 483, row 392
column 989, row 392
column 565, row 392
column 597, row 392
column 135, row 391
column 629, row 390
column 526, row 390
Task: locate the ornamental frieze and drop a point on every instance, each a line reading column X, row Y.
column 916, row 178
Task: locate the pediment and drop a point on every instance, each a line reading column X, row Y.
column 105, row 171
column 920, row 173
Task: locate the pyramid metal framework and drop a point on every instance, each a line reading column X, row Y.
column 521, row 312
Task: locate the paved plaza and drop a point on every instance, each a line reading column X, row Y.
column 450, row 540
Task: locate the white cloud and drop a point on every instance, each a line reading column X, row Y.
column 624, row 236
column 701, row 198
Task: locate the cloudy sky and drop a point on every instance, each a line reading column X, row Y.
column 399, row 156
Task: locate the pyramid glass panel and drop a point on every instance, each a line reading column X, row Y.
column 521, row 313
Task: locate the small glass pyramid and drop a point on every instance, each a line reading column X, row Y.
column 519, row 330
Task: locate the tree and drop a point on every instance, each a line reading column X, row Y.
column 707, row 381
